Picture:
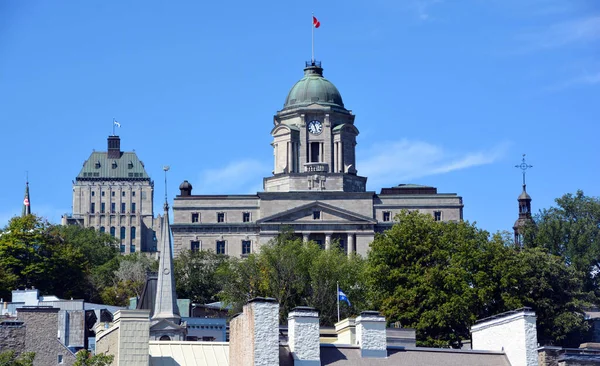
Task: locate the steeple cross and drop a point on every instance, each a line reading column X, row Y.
column 523, row 166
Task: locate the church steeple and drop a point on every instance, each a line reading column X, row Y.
column 26, row 203
column 165, row 305
column 524, row 200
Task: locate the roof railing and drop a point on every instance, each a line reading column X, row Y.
column 313, row 63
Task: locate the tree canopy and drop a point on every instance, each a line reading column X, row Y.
column 296, row 274
column 440, row 277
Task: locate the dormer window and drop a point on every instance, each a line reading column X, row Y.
column 130, row 165
column 114, row 164
column 98, row 165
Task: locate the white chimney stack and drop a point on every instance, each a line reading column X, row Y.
column 303, row 336
column 513, row 332
column 371, row 334
column 254, row 334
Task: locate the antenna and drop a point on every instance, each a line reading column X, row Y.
column 166, row 169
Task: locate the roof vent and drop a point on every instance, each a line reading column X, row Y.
column 114, row 164
column 130, row 165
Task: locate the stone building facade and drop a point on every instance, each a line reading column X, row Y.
column 315, row 188
column 114, row 194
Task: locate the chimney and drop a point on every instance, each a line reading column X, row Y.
column 254, row 334
column 371, row 334
column 303, row 336
column 513, row 332
column 127, row 338
column 346, row 331
column 114, row 147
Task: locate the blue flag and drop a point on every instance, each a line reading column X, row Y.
column 342, row 296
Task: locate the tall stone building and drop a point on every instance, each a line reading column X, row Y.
column 113, row 193
column 315, row 188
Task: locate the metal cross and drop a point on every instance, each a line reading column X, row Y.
column 523, row 166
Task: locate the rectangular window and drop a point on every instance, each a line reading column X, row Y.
column 102, row 194
column 132, row 207
column 93, row 193
column 123, row 232
column 221, row 217
column 316, row 215
column 246, row 217
column 60, row 359
column 437, row 215
column 122, row 207
column 102, row 207
column 195, row 217
column 112, row 193
column 132, row 232
column 132, row 248
column 93, row 208
column 314, row 152
column 122, row 249
column 386, row 216
column 133, row 194
column 113, row 207
column 220, row 247
column 123, row 194
column 194, row 245
column 246, row 247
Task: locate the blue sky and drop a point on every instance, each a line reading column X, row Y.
column 446, row 93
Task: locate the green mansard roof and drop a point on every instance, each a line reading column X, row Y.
column 113, row 165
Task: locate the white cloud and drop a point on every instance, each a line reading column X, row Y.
column 238, row 177
column 566, row 33
column 390, row 163
column 423, row 8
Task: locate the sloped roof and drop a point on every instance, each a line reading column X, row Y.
column 169, row 353
column 99, row 167
column 350, row 356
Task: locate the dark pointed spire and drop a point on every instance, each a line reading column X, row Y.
column 165, row 305
column 26, row 202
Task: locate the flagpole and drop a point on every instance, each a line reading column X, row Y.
column 113, row 126
column 338, row 300
column 312, row 26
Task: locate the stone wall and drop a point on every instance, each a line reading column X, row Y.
column 41, row 336
column 12, row 337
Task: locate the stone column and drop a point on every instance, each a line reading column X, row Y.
column 327, row 241
column 305, row 237
column 350, row 241
column 303, row 334
column 320, row 152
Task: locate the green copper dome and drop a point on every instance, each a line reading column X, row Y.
column 313, row 88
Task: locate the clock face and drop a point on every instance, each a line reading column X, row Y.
column 315, row 127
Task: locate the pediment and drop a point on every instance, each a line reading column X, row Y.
column 328, row 214
column 164, row 325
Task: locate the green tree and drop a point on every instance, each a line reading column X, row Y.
column 296, row 274
column 31, row 255
column 85, row 358
column 439, row 277
column 10, row 358
column 571, row 230
column 195, row 275
column 128, row 279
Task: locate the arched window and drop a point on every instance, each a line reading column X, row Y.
column 112, row 231
column 102, row 229
column 122, row 232
column 132, row 232
column 165, row 338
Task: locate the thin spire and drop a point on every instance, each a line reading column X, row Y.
column 165, row 305
column 26, row 202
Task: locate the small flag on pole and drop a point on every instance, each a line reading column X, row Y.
column 342, row 296
column 117, row 124
column 316, row 22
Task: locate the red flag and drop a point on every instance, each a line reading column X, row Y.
column 316, row 23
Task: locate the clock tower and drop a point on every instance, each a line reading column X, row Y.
column 314, row 139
